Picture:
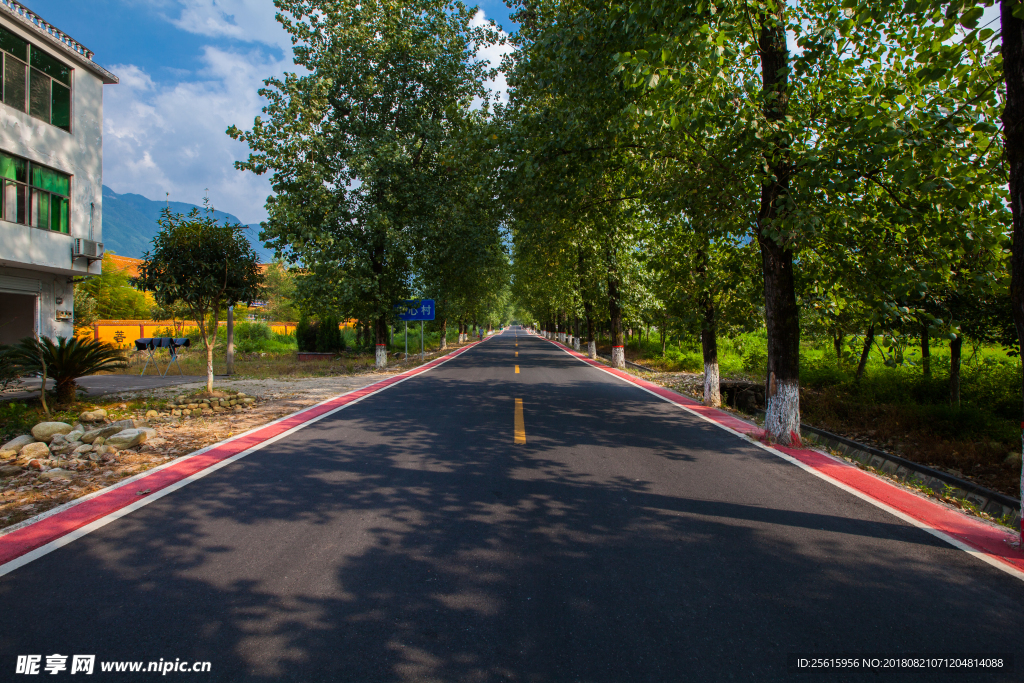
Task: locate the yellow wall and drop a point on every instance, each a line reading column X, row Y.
column 123, row 333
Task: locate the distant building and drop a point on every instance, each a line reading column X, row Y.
column 51, row 173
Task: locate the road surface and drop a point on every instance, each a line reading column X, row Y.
column 409, row 537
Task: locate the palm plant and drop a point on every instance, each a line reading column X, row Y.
column 65, row 361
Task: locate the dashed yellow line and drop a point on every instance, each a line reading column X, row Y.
column 517, row 354
column 520, row 426
column 517, row 369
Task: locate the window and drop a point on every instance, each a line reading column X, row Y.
column 34, row 195
column 35, row 82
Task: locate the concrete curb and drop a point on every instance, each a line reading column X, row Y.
column 986, row 500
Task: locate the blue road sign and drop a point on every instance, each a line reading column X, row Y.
column 416, row 310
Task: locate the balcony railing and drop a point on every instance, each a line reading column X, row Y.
column 27, row 15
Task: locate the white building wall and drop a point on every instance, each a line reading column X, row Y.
column 27, row 252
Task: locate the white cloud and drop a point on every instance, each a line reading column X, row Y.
column 169, row 137
column 493, row 54
column 247, row 20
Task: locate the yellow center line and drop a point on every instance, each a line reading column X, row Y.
column 517, row 354
column 520, row 426
column 517, row 369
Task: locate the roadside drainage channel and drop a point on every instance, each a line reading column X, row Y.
column 608, row 360
column 991, row 502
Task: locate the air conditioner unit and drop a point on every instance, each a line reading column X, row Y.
column 89, row 249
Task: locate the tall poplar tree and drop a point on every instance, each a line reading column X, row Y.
column 355, row 143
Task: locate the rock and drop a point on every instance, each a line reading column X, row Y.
column 36, row 464
column 34, row 450
column 45, row 431
column 176, row 413
column 152, row 413
column 99, row 441
column 95, row 456
column 64, row 447
column 240, row 394
column 123, row 424
column 58, row 473
column 75, row 435
column 248, row 400
column 126, row 438
column 1012, row 460
column 9, row 470
column 106, row 452
column 101, row 433
column 84, row 448
column 237, row 409
column 8, row 455
column 92, row 416
column 17, row 443
column 186, row 413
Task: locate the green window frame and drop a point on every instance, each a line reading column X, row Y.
column 34, row 195
column 35, row 82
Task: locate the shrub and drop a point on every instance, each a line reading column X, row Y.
column 66, row 361
column 329, row 338
column 305, row 334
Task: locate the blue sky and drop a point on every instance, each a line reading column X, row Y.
column 188, row 70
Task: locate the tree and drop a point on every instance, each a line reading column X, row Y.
column 357, row 145
column 280, row 286
column 65, row 361
column 113, row 294
column 203, row 267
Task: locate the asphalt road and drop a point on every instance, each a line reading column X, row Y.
column 407, row 538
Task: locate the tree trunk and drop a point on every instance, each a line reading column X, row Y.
column 65, row 391
column 837, row 344
column 588, row 310
column 444, row 335
column 359, row 334
column 381, row 337
column 869, row 339
column 209, row 364
column 663, row 336
column 1013, row 127
column 230, row 351
column 955, row 351
column 615, row 311
column 926, row 352
column 42, row 380
column 782, row 317
column 709, row 347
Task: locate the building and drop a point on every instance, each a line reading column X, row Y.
column 51, row 173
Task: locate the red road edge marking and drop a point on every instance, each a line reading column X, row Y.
column 970, row 531
column 46, row 530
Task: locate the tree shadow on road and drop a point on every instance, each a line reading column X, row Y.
column 395, row 541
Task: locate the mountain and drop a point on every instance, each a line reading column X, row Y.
column 129, row 224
